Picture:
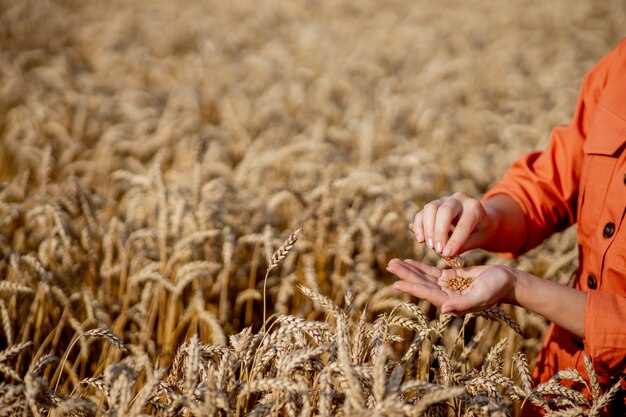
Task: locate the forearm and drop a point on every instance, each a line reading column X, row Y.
column 558, row 303
column 507, row 225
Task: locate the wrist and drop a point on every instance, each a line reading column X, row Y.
column 505, row 228
column 492, row 220
column 516, row 283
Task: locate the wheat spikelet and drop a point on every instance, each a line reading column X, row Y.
column 471, row 346
column 445, row 368
column 291, row 325
column 570, row 412
column 322, row 300
column 379, row 358
column 605, row 399
column 193, row 365
column 14, row 288
column 227, row 254
column 326, row 392
column 359, row 340
column 61, row 226
column 434, row 397
column 270, row 384
column 417, row 385
column 482, row 385
column 98, row 383
column 511, row 390
column 494, row 360
column 12, row 351
column 415, row 345
column 33, row 389
column 405, row 322
column 41, row 364
column 298, row 359
column 417, row 312
column 10, row 372
column 552, row 387
column 593, row 378
column 73, row 406
column 521, row 366
column 107, row 335
column 6, row 323
column 495, row 313
column 196, row 269
column 36, row 265
column 282, row 252
column 570, row 374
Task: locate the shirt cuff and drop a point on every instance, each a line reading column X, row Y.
column 605, row 334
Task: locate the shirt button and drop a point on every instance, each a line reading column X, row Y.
column 608, row 230
column 591, row 282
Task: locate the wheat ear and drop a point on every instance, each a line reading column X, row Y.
column 103, row 333
column 280, row 254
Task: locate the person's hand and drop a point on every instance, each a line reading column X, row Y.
column 491, row 285
column 466, row 216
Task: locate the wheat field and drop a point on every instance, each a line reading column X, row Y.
column 198, row 200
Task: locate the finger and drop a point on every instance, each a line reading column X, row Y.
column 407, row 272
column 418, row 272
column 447, row 212
column 428, row 221
column 418, row 227
column 431, row 293
column 427, row 269
column 468, row 220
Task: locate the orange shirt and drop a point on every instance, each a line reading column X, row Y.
column 581, row 178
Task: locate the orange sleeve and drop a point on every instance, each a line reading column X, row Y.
column 545, row 184
column 605, row 338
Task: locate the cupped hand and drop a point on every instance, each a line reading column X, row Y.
column 465, row 216
column 491, row 285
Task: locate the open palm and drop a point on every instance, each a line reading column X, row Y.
column 492, row 284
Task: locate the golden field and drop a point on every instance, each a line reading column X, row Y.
column 157, row 158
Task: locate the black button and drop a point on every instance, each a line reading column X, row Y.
column 608, row 230
column 591, row 282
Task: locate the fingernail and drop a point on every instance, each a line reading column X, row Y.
column 430, row 243
column 438, row 246
column 447, row 251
